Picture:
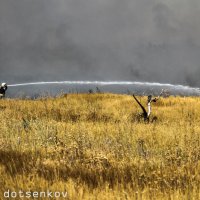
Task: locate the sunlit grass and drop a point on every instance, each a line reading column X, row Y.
column 94, row 147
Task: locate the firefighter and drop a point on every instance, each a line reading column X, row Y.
column 3, row 88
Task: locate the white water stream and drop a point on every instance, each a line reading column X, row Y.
column 31, row 88
column 106, row 83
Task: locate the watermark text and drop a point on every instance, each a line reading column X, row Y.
column 34, row 194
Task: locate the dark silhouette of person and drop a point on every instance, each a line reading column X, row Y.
column 3, row 89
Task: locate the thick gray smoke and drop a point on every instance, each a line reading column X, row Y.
column 134, row 40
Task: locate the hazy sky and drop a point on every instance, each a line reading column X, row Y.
column 135, row 40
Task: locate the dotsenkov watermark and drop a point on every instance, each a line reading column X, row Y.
column 34, row 194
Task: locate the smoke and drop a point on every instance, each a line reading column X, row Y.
column 106, row 40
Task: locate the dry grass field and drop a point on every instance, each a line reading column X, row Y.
column 94, row 147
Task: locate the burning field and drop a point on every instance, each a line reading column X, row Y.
column 94, row 146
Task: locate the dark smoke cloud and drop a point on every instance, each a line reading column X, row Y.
column 145, row 40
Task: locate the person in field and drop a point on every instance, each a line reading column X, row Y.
column 3, row 88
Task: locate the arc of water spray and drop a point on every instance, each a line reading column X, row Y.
column 106, row 83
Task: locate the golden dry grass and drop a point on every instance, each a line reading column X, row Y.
column 93, row 147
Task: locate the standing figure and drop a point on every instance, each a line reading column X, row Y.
column 3, row 88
